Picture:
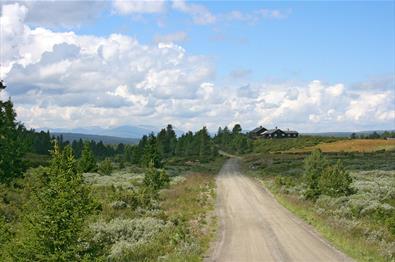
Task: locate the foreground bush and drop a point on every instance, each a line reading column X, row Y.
column 335, row 181
column 53, row 225
column 155, row 179
column 314, row 166
column 322, row 178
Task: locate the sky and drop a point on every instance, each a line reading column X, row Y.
column 304, row 65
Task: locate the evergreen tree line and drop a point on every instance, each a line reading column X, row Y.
column 374, row 135
column 41, row 143
column 164, row 145
column 233, row 141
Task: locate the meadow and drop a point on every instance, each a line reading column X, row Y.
column 352, row 145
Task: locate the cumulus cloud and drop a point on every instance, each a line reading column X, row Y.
column 138, row 7
column 62, row 79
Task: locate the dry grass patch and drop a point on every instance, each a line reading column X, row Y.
column 355, row 145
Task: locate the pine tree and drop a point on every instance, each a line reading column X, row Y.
column 150, row 153
column 54, row 224
column 314, row 166
column 155, row 179
column 12, row 143
column 236, row 129
column 87, row 163
column 204, row 144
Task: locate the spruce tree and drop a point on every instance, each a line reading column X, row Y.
column 314, row 166
column 150, row 153
column 12, row 143
column 87, row 163
column 57, row 213
column 155, row 179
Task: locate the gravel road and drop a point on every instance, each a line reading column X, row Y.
column 255, row 227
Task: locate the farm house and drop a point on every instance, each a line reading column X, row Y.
column 261, row 132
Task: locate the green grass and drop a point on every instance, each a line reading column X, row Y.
column 354, row 246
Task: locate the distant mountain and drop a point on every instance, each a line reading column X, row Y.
column 135, row 132
column 96, row 138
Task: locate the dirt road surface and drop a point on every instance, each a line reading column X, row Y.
column 255, row 227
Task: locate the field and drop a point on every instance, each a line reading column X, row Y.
column 354, row 145
column 361, row 224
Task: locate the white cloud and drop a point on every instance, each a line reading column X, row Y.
column 138, row 7
column 199, row 13
column 370, row 104
column 175, row 37
column 70, row 80
column 335, row 90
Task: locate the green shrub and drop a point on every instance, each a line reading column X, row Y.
column 105, row 167
column 5, row 233
column 155, row 179
column 314, row 166
column 335, row 181
column 126, row 236
column 54, row 219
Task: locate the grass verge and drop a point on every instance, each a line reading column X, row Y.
column 354, row 244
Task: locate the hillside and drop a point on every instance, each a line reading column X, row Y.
column 125, row 131
column 97, row 138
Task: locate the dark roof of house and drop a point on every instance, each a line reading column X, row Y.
column 290, row 132
column 272, row 131
column 258, row 129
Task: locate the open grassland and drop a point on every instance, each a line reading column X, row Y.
column 286, row 144
column 351, row 145
column 361, row 224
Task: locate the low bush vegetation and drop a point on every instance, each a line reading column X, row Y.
column 290, row 144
